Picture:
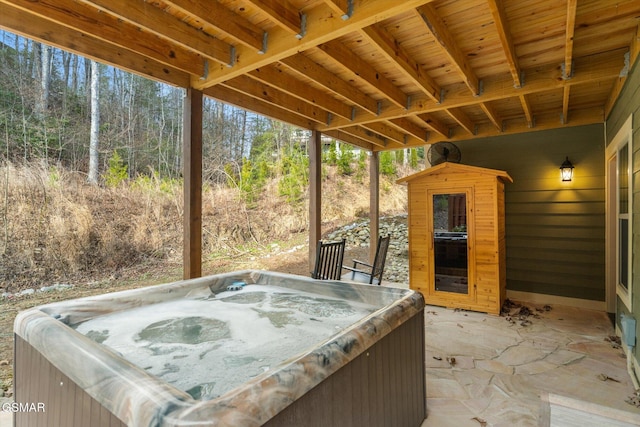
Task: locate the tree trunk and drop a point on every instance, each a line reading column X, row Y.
column 95, row 124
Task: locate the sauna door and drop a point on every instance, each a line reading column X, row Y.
column 450, row 228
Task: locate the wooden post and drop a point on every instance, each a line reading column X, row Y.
column 315, row 194
column 374, row 203
column 192, row 175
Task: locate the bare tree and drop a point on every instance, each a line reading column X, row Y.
column 95, row 124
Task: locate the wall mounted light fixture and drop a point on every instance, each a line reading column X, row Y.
column 566, row 170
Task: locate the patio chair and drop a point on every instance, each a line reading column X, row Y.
column 329, row 257
column 373, row 272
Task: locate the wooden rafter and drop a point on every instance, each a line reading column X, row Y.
column 113, row 31
column 156, row 21
column 526, row 107
column 340, row 7
column 492, row 114
column 366, row 135
column 565, row 104
column 634, row 50
column 229, row 23
column 319, row 20
column 273, row 76
column 569, row 32
column 449, row 46
column 462, row 119
column 281, row 12
column 435, row 125
column 278, row 98
column 405, row 124
column 504, row 33
column 365, row 72
column 308, row 68
column 350, row 139
column 397, row 55
column 387, row 131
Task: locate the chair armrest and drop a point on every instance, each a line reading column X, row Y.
column 355, row 270
column 356, row 262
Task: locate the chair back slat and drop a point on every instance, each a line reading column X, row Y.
column 329, row 257
column 380, row 259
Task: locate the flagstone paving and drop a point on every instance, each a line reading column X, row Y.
column 485, row 370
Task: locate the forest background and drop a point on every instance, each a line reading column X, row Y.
column 90, row 173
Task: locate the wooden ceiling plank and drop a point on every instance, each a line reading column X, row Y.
column 504, row 33
column 463, row 120
column 492, row 114
column 570, row 30
column 396, row 54
column 565, row 105
column 160, row 23
column 271, row 75
column 450, row 48
column 526, row 107
column 323, row 25
column 435, row 125
column 269, row 94
column 282, row 12
column 54, row 34
column 112, row 30
column 233, row 97
column 410, row 127
column 361, row 70
column 322, row 76
column 229, row 23
column 592, row 70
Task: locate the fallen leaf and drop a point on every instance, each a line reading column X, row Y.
column 482, row 422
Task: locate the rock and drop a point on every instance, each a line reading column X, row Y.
column 4, row 363
column 27, row 292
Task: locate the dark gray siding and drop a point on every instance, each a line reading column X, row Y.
column 555, row 231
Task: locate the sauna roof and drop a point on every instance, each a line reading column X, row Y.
column 448, row 167
column 379, row 74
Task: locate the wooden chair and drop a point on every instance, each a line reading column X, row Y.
column 329, row 257
column 373, row 272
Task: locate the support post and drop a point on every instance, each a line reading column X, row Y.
column 192, row 175
column 374, row 203
column 315, row 194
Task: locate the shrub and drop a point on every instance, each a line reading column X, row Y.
column 117, row 172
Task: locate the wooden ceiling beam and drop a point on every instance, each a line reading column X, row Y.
column 113, row 31
column 504, row 33
column 526, row 108
column 282, row 12
column 591, row 70
column 269, row 94
column 160, row 23
column 323, row 25
column 565, row 104
column 448, row 45
column 396, row 54
column 387, row 131
column 54, row 34
column 366, row 135
column 569, row 32
column 406, row 125
column 324, row 77
column 341, row 7
column 463, row 120
column 435, row 125
column 363, row 71
column 273, row 76
column 233, row 97
column 224, row 20
column 492, row 114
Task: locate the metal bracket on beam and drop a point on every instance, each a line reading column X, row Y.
column 265, row 38
column 564, row 71
column 533, row 123
column 379, row 108
column 625, row 69
column 205, row 72
column 353, row 113
column 406, row 139
column 329, row 118
column 349, row 10
column 303, row 26
column 232, row 53
column 521, row 80
column 480, row 87
column 441, row 96
column 426, row 136
column 408, row 102
column 475, row 129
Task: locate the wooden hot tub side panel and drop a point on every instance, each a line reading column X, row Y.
column 383, row 386
column 65, row 403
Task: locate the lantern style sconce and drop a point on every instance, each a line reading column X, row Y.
column 566, row 170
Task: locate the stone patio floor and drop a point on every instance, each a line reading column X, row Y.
column 484, row 370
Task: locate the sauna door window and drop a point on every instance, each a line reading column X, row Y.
column 451, row 264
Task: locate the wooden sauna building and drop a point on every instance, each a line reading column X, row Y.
column 457, row 254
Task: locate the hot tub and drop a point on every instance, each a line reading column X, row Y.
column 247, row 348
